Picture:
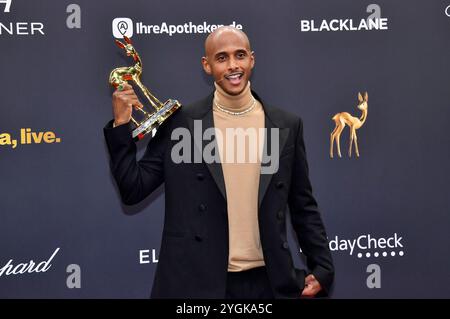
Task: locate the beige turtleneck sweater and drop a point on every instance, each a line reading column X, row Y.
column 241, row 169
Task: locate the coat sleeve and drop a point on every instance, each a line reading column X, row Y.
column 306, row 220
column 135, row 179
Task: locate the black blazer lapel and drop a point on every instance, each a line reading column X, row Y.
column 202, row 112
column 268, row 152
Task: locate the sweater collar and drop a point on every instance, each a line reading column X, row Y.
column 235, row 103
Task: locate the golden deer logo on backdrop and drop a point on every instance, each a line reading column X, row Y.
column 354, row 123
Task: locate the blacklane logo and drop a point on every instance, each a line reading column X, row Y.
column 122, row 27
column 447, row 11
column 372, row 22
column 7, row 5
column 125, row 27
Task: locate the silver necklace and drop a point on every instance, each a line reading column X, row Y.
column 223, row 109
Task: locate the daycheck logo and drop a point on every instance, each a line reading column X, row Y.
column 369, row 246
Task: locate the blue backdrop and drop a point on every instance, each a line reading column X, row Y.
column 63, row 230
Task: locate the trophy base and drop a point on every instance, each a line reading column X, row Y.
column 155, row 119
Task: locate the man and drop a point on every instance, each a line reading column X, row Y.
column 224, row 232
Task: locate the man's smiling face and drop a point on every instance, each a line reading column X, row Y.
column 228, row 59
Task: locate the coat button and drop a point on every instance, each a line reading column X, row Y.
column 200, row 176
column 280, row 214
column 198, row 238
column 202, row 207
column 280, row 185
column 285, row 245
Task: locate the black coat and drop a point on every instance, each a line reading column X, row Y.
column 193, row 259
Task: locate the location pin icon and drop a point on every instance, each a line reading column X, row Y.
column 122, row 27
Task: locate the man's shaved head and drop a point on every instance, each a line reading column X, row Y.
column 218, row 33
column 228, row 58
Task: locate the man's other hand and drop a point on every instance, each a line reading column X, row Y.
column 312, row 286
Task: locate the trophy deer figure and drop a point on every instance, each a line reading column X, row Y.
column 121, row 75
column 354, row 123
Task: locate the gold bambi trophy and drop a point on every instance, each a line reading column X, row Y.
column 148, row 120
